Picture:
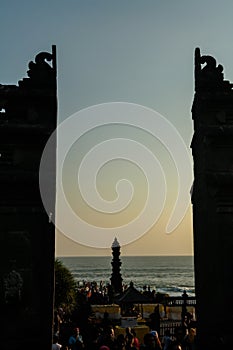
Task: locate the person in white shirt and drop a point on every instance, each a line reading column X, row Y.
column 56, row 345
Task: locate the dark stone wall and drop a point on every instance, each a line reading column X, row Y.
column 27, row 119
column 212, row 198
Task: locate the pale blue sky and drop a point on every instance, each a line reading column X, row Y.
column 125, row 50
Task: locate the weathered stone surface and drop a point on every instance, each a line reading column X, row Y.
column 27, row 119
column 212, row 198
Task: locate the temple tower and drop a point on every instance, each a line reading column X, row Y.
column 212, row 198
column 116, row 279
column 28, row 113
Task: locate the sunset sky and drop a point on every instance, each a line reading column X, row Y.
column 135, row 52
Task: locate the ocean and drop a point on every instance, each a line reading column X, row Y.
column 165, row 274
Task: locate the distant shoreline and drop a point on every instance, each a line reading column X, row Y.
column 122, row 256
column 165, row 274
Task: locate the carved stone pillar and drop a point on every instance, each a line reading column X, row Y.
column 27, row 119
column 212, row 148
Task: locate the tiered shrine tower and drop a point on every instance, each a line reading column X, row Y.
column 116, row 279
column 212, row 198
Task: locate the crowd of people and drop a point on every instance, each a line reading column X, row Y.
column 102, row 293
column 103, row 337
column 79, row 332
